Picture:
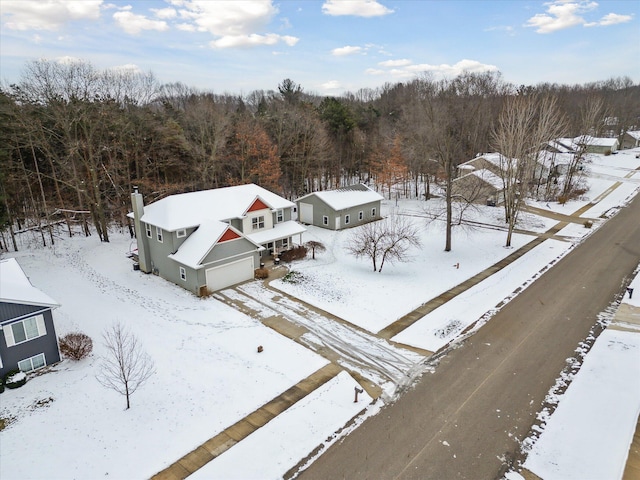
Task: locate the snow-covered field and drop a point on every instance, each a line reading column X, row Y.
column 209, row 374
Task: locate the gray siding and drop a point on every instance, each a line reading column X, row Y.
column 321, row 209
column 9, row 311
column 47, row 344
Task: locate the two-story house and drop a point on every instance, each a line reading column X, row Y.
column 28, row 341
column 208, row 240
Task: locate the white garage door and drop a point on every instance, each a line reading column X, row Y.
column 306, row 213
column 229, row 274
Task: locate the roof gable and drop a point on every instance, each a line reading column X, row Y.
column 15, row 286
column 257, row 204
column 200, row 243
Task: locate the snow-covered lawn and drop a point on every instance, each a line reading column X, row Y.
column 209, row 374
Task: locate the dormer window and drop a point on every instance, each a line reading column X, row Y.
column 257, row 223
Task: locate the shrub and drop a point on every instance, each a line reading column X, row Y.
column 15, row 378
column 296, row 253
column 293, row 277
column 261, row 273
column 75, row 345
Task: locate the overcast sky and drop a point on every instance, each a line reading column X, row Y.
column 330, row 46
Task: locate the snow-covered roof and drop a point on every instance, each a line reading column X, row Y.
column 15, row 287
column 489, row 177
column 600, row 142
column 347, row 197
column 493, row 158
column 278, row 232
column 562, row 147
column 635, row 134
column 187, row 210
column 196, row 247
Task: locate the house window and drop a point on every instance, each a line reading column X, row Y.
column 33, row 363
column 257, row 223
column 280, row 216
column 159, row 234
column 360, row 215
column 347, row 219
column 285, row 243
column 181, row 233
column 325, row 220
column 25, row 330
column 148, row 227
column 183, row 274
column 373, row 212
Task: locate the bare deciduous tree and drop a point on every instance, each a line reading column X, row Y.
column 526, row 123
column 384, row 240
column 125, row 367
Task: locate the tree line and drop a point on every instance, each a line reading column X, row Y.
column 75, row 140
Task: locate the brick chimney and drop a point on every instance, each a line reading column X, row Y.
column 144, row 258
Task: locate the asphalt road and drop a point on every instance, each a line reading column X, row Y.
column 467, row 419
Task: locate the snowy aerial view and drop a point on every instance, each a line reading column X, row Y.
column 220, row 358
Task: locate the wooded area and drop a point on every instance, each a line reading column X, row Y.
column 75, row 140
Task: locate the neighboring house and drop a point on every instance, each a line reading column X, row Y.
column 28, row 339
column 603, row 146
column 479, row 186
column 212, row 239
column 631, row 139
column 493, row 162
column 486, row 161
column 560, row 145
column 341, row 208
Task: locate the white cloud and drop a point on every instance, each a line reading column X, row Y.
column 133, row 24
column 331, row 85
column 127, row 68
column 165, row 13
column 346, row 50
column 252, row 40
column 358, row 8
column 228, row 17
column 50, row 15
column 396, row 63
column 614, row 18
column 563, row 14
column 408, row 70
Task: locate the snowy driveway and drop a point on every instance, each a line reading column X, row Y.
column 377, row 360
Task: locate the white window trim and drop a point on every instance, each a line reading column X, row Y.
column 181, row 233
column 148, row 228
column 257, row 221
column 280, row 216
column 347, row 219
column 325, row 220
column 373, row 212
column 8, row 331
column 159, row 234
column 30, row 359
column 285, row 243
column 360, row 215
column 183, row 274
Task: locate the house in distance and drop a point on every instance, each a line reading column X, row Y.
column 208, row 240
column 28, row 341
column 341, row 208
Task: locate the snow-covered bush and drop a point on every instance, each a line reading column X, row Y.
column 15, row 379
column 75, row 345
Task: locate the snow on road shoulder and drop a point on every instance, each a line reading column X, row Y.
column 438, row 328
column 589, row 433
column 272, row 450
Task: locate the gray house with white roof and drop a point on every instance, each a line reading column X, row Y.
column 28, row 341
column 208, row 240
column 341, row 208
